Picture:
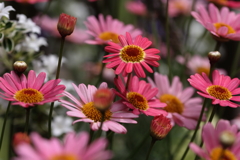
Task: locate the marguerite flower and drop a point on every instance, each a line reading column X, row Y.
column 29, row 91
column 140, row 97
column 74, row 147
column 29, row 1
column 136, row 7
column 4, row 11
column 105, row 30
column 181, row 107
column 222, row 89
column 131, row 55
column 85, row 110
column 228, row 3
column 214, row 147
column 222, row 24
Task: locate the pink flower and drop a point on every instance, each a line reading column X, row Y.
column 66, row 24
column 136, row 7
column 131, row 55
column 29, row 1
column 74, row 147
column 50, row 25
column 29, row 91
column 231, row 4
column 222, row 24
column 214, row 148
column 105, row 30
column 160, row 127
column 140, row 97
column 222, row 89
column 181, row 107
column 179, row 7
column 85, row 110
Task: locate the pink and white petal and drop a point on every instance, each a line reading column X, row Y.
column 196, row 149
column 209, row 137
column 184, row 122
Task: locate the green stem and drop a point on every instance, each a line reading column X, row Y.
column 91, row 133
column 196, row 129
column 235, row 62
column 110, row 135
column 213, row 113
column 99, row 132
column 57, row 76
column 27, row 120
column 4, row 123
column 168, row 42
column 151, row 147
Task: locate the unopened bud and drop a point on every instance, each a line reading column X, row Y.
column 160, row 127
column 20, row 138
column 214, row 56
column 102, row 99
column 227, row 139
column 66, row 24
column 19, row 67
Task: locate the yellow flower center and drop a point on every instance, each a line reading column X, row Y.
column 64, row 157
column 203, row 69
column 109, row 36
column 180, row 6
column 132, row 53
column 137, row 100
column 93, row 113
column 219, row 92
column 220, row 154
column 219, row 25
column 29, row 95
column 174, row 105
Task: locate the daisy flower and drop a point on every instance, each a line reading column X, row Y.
column 222, row 89
column 85, row 110
column 181, row 107
column 214, row 148
column 74, row 147
column 29, row 1
column 131, row 55
column 222, row 24
column 4, row 11
column 105, row 30
column 29, row 91
column 136, row 7
column 140, row 97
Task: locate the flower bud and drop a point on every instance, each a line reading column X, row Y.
column 66, row 24
column 227, row 139
column 19, row 67
column 20, row 138
column 102, row 99
column 214, row 56
column 160, row 127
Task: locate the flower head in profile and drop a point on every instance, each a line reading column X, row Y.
column 66, row 24
column 136, row 7
column 108, row 29
column 74, row 147
column 222, row 89
column 20, row 138
column 160, row 127
column 84, row 109
column 215, row 140
column 227, row 3
column 31, row 90
column 131, row 55
column 222, row 24
column 4, row 11
column 181, row 107
column 140, row 97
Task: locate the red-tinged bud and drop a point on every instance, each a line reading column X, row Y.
column 20, row 138
column 160, row 127
column 102, row 99
column 66, row 24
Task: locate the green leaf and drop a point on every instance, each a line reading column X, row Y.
column 8, row 44
column 8, row 25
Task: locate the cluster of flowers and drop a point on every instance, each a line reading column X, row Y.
column 130, row 57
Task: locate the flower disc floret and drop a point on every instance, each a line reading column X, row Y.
column 93, row 113
column 29, row 95
column 109, row 36
column 137, row 100
column 64, row 157
column 132, row 53
column 219, row 92
column 174, row 105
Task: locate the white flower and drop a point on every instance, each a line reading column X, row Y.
column 61, row 125
column 48, row 64
column 4, row 11
column 27, row 24
column 31, row 43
